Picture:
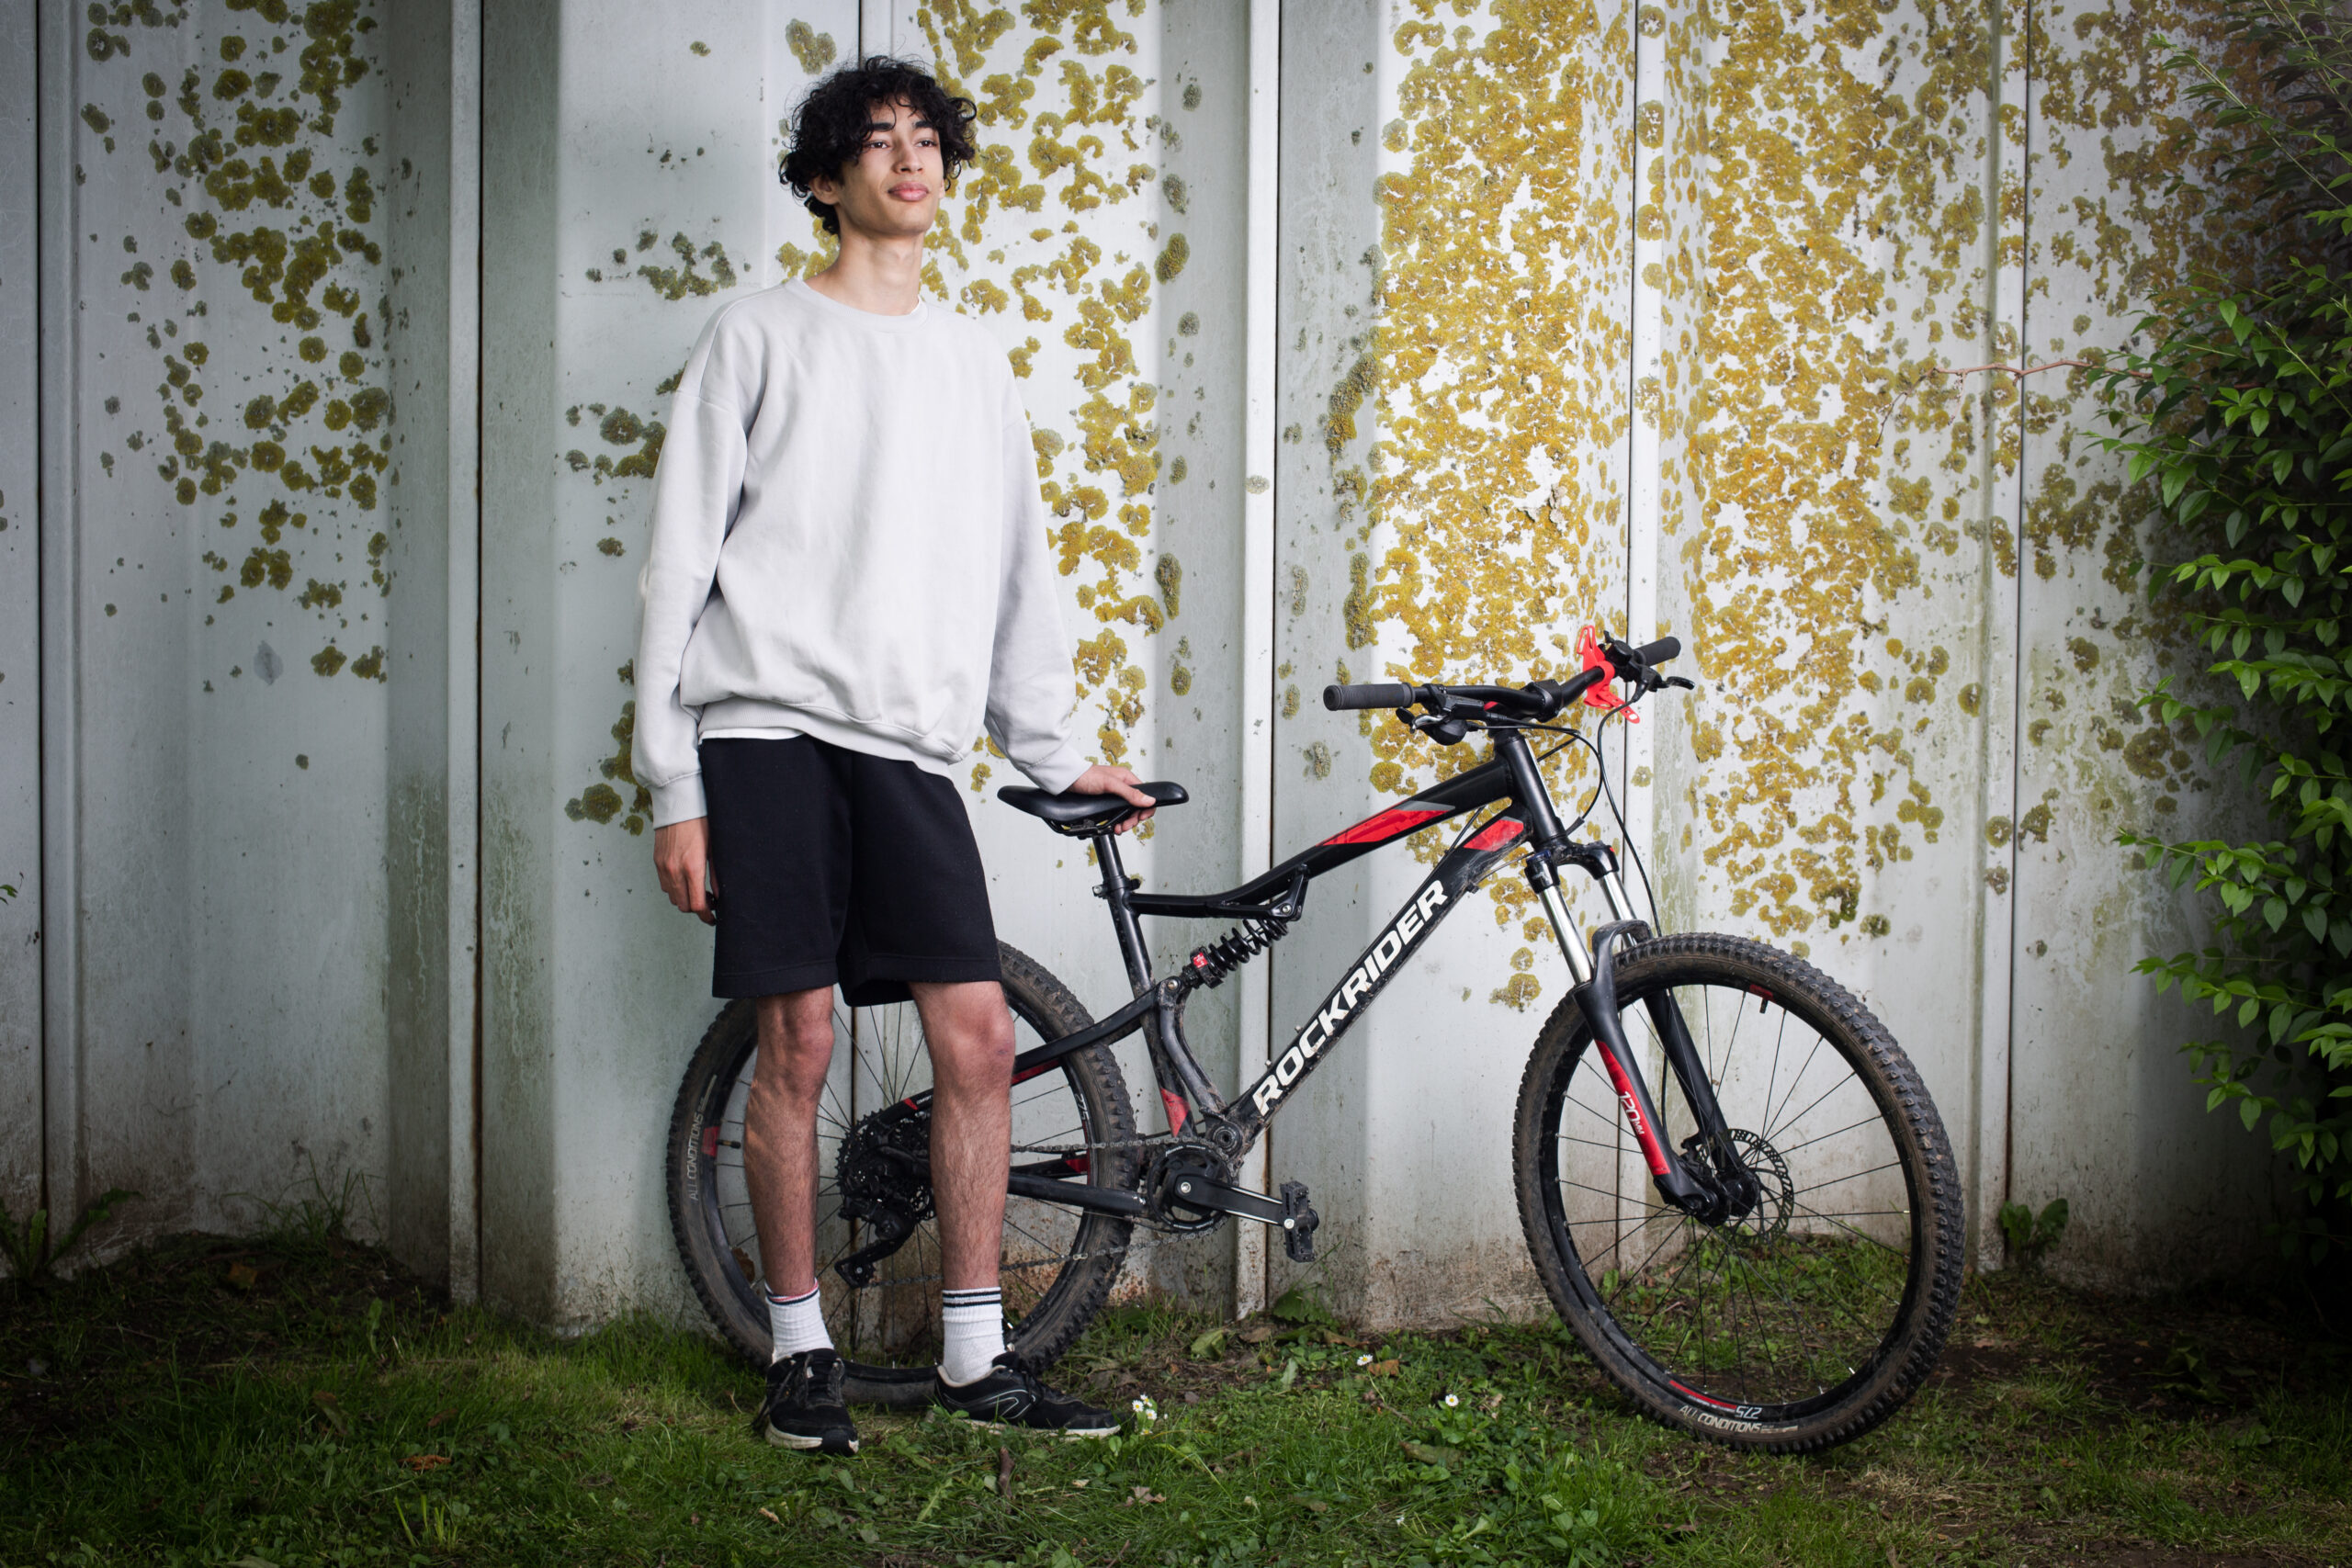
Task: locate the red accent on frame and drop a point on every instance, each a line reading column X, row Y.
column 1080, row 1165
column 1392, row 823
column 710, row 1143
column 1653, row 1153
column 1498, row 833
column 1603, row 696
column 1177, row 1110
column 1020, row 1077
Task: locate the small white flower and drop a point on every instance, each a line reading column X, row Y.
column 1145, row 1409
column 1364, row 1360
column 1451, row 1400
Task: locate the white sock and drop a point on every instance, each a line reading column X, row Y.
column 799, row 1324
column 972, row 1323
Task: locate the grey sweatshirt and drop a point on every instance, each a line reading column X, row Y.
column 848, row 544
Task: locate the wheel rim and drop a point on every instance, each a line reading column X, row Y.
column 891, row 1324
column 1786, row 1311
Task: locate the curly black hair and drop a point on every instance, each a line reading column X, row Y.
column 829, row 130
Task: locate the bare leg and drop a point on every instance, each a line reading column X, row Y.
column 970, row 1034
column 780, row 1134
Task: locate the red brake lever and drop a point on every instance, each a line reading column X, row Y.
column 1601, row 694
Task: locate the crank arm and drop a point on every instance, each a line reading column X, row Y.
column 1217, row 1198
column 1597, row 997
column 1288, row 1213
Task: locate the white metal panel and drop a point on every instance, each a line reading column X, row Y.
column 20, row 882
column 433, row 66
column 1457, row 242
column 2156, row 1187
column 1833, row 539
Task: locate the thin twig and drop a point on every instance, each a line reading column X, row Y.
column 2037, row 369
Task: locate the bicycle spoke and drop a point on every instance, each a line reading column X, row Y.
column 1871, row 1120
column 1850, row 1230
column 1790, row 1121
column 1772, row 1119
column 1856, row 1175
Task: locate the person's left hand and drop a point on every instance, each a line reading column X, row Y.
column 1104, row 779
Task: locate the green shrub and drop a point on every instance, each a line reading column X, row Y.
column 2242, row 418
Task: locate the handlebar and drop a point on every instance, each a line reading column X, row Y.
column 1538, row 699
column 1342, row 699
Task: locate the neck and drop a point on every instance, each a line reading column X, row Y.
column 880, row 273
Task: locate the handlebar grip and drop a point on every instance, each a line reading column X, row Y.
column 1661, row 651
column 1573, row 689
column 1341, row 699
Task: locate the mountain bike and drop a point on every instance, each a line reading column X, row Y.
column 1733, row 1186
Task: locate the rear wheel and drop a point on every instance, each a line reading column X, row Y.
column 1814, row 1317
column 1058, row 1264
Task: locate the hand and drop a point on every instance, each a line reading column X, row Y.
column 1104, row 779
column 681, row 858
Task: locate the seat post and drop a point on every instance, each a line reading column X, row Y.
column 1115, row 889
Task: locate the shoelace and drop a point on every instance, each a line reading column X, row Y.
column 824, row 1381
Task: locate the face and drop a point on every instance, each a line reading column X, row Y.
column 892, row 188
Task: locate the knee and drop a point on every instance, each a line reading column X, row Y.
column 796, row 1051
column 980, row 1058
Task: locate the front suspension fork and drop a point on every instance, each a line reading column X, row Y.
column 1726, row 1190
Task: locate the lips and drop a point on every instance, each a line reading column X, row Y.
column 910, row 192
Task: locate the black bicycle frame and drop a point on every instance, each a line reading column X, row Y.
column 1276, row 897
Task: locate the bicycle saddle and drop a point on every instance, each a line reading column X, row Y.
column 1076, row 814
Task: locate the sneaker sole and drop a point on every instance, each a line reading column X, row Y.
column 783, row 1440
column 1110, row 1431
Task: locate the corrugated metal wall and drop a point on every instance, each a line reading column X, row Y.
column 1360, row 338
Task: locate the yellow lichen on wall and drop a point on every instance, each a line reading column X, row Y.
column 1831, row 194
column 1498, row 372
column 1846, row 223
column 2139, row 171
column 1823, row 193
column 261, row 196
column 1057, row 225
column 1501, row 346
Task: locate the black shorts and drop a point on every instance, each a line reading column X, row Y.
column 838, row 868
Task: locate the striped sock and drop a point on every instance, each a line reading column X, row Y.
column 972, row 1325
column 798, row 1323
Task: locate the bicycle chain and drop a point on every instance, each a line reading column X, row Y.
column 1152, row 1141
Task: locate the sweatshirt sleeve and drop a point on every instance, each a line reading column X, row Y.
column 696, row 487
column 1030, row 685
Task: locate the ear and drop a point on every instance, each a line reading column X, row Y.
column 827, row 189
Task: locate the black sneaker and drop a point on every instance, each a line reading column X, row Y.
column 1009, row 1394
column 804, row 1407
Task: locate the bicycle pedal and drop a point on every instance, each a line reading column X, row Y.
column 1298, row 1224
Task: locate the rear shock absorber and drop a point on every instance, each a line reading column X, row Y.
column 1211, row 963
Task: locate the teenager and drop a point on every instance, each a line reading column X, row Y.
column 848, row 579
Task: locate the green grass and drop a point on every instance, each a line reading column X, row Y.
column 299, row 1402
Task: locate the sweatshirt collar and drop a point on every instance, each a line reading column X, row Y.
column 868, row 320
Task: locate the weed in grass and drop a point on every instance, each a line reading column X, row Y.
column 27, row 1248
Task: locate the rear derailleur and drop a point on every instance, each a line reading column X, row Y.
column 883, row 1173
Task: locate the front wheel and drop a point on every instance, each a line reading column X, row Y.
column 1814, row 1316
column 1058, row 1264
